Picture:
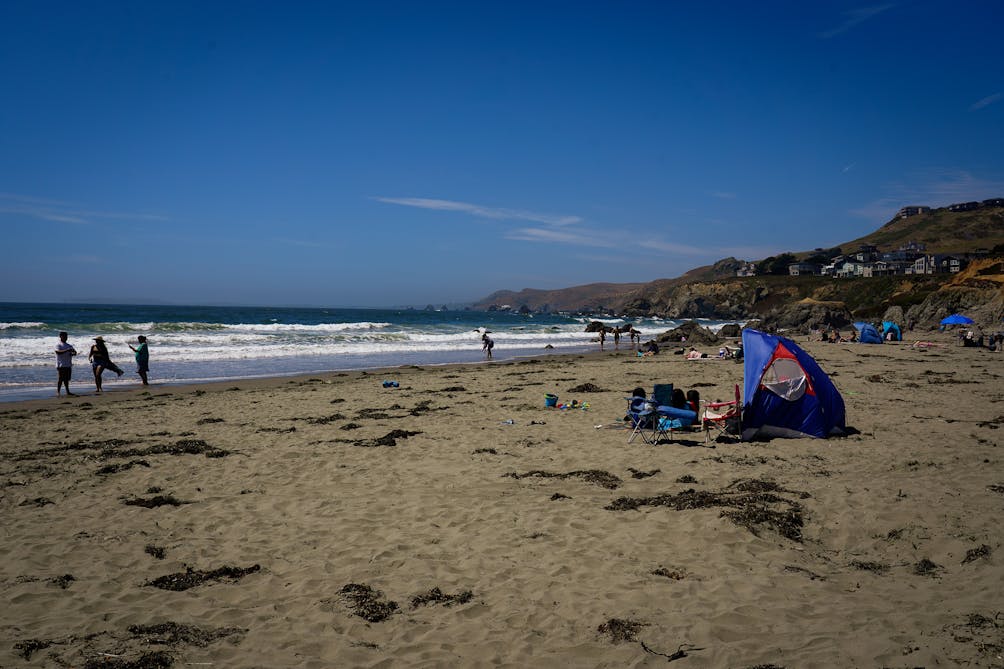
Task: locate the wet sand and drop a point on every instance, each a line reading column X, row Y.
column 328, row 521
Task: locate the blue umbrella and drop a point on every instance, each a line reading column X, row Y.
column 957, row 319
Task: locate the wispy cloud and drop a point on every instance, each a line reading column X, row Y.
column 935, row 188
column 986, row 102
column 848, row 168
column 561, row 236
column 723, row 195
column 64, row 212
column 480, row 210
column 856, row 17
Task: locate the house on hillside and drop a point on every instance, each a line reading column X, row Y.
column 965, row 206
column 867, row 253
column 804, row 269
column 746, row 269
column 936, row 264
column 994, row 202
column 907, row 212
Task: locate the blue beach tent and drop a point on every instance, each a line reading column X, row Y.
column 786, row 393
column 889, row 326
column 957, row 319
column 868, row 334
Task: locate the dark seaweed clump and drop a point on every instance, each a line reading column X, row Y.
column 158, row 659
column 191, row 578
column 620, row 630
column 153, row 502
column 29, row 647
column 587, row 388
column 596, row 476
column 173, row 634
column 157, row 551
column 368, row 603
column 926, row 567
column 640, row 474
column 977, row 553
column 437, row 596
column 121, row 467
column 749, row 503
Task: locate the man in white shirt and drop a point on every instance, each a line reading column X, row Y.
column 64, row 363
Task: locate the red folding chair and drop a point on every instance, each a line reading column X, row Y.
column 722, row 418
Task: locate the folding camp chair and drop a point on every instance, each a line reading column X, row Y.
column 654, row 418
column 641, row 417
column 722, row 418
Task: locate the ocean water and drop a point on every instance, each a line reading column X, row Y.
column 200, row 344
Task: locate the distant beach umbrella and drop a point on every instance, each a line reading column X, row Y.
column 957, row 319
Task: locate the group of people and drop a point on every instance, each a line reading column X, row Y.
column 635, row 335
column 100, row 360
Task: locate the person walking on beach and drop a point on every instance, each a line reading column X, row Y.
column 142, row 358
column 603, row 337
column 617, row 337
column 487, row 345
column 100, row 361
column 64, row 364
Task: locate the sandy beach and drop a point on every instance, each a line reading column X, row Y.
column 327, row 521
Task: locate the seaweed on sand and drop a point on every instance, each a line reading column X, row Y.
column 389, row 439
column 597, row 476
column 749, row 503
column 153, row 502
column 620, row 630
column 173, row 634
column 977, row 553
column 437, row 596
column 158, row 659
column 191, row 578
column 368, row 603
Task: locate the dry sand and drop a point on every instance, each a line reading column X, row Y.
column 310, row 504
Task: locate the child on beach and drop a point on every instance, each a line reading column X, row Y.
column 487, row 345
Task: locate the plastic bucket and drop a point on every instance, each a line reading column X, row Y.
column 550, row 400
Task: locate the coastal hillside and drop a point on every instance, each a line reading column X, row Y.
column 715, row 291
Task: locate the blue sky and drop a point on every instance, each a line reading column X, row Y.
column 399, row 153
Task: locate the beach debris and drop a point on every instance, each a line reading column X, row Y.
column 180, row 447
column 154, row 502
column 587, row 388
column 121, row 467
column 29, row 647
column 996, row 488
column 437, row 596
column 191, row 578
column 173, row 634
column 63, row 581
column 977, row 553
column 675, row 574
column 158, row 552
column 158, row 659
column 490, row 451
column 324, row 420
column 874, row 567
column 926, row 568
column 207, row 421
column 639, row 474
column 813, row 576
column 368, row 603
column 509, row 421
column 350, row 426
column 678, row 654
column 620, row 630
column 557, row 496
column 749, row 503
column 390, row 439
column 597, row 476
column 686, row 478
column 391, row 384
